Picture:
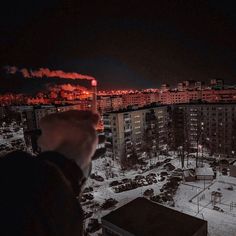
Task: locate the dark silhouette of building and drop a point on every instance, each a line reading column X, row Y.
column 142, row 217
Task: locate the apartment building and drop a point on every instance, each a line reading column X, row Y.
column 116, row 102
column 202, row 127
column 139, row 99
column 208, row 95
column 31, row 116
column 129, row 129
column 109, row 103
column 208, row 126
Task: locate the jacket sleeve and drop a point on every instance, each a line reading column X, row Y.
column 69, row 169
column 36, row 199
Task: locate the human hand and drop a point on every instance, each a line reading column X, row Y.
column 72, row 134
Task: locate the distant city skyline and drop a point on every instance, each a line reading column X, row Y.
column 31, row 81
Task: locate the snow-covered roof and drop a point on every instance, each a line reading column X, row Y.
column 188, row 173
column 204, row 171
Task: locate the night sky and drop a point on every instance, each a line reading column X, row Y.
column 123, row 44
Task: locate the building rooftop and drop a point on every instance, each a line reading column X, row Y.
column 156, row 105
column 202, row 102
column 204, row 171
column 146, row 218
column 135, row 108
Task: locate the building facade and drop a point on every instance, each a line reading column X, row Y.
column 130, row 130
column 195, row 127
column 205, row 127
column 189, row 95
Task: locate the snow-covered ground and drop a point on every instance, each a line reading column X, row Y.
column 219, row 223
column 11, row 138
column 102, row 191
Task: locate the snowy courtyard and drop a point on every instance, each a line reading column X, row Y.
column 190, row 198
column 193, row 199
column 11, row 138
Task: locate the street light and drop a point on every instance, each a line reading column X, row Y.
column 200, row 146
column 198, row 139
column 181, row 155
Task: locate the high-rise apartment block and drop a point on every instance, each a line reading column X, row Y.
column 125, row 130
column 208, row 127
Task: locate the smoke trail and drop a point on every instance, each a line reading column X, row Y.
column 45, row 72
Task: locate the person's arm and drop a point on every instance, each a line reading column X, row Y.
column 69, row 169
column 36, row 199
column 72, row 134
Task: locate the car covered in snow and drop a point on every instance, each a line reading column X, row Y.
column 88, row 189
column 114, row 183
column 148, row 192
column 216, row 208
column 97, row 177
column 164, row 173
column 111, row 202
column 139, row 177
column 93, row 225
column 87, row 197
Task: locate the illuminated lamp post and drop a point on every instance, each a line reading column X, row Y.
column 199, row 136
column 200, row 147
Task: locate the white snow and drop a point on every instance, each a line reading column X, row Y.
column 219, row 223
column 11, row 138
column 199, row 192
column 204, row 171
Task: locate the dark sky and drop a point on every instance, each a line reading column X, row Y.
column 123, row 43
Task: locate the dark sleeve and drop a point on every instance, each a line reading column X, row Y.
column 35, row 199
column 69, row 169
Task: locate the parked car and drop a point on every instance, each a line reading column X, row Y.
column 169, row 167
column 88, row 189
column 88, row 214
column 162, row 179
column 151, row 175
column 125, row 180
column 167, row 160
column 111, row 202
column 164, row 173
column 230, row 188
column 148, row 192
column 97, row 177
column 224, row 171
column 216, row 208
column 114, row 183
column 93, row 225
column 139, row 177
column 87, row 196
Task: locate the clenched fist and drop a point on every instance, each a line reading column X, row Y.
column 72, row 134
